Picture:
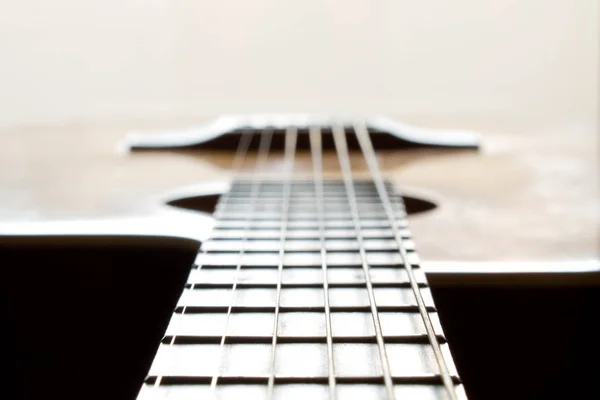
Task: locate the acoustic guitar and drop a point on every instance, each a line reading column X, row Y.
column 291, row 273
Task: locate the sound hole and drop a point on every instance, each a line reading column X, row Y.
column 207, row 203
column 203, row 203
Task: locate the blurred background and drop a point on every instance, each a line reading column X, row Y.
column 512, row 63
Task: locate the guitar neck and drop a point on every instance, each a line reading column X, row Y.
column 302, row 291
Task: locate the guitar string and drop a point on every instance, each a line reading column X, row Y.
column 339, row 137
column 369, row 155
column 238, row 160
column 256, row 182
column 317, row 161
column 368, row 152
column 291, row 136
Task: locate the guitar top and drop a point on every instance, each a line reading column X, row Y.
column 527, row 195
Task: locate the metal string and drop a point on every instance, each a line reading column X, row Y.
column 291, row 136
column 339, row 138
column 317, row 160
column 263, row 150
column 362, row 135
column 344, row 159
column 238, row 160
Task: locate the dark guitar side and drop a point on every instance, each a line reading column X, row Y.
column 523, row 200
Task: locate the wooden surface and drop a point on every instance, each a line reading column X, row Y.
column 528, row 195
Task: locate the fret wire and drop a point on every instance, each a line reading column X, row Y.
column 291, row 136
column 238, row 160
column 263, row 151
column 317, row 157
column 339, row 138
column 362, row 135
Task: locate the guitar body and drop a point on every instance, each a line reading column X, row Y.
column 97, row 245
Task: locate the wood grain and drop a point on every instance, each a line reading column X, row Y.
column 526, row 196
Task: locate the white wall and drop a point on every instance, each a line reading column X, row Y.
column 106, row 61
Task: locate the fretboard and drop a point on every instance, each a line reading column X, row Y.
column 298, row 295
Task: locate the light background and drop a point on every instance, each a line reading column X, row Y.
column 515, row 62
